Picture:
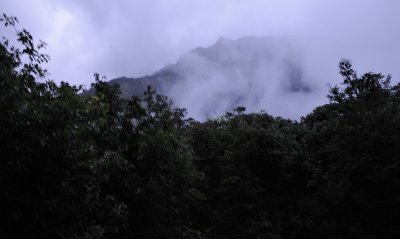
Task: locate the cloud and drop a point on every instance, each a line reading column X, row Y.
column 260, row 73
column 135, row 38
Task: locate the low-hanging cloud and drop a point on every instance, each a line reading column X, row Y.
column 135, row 38
column 258, row 72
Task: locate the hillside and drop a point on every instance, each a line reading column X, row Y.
column 252, row 71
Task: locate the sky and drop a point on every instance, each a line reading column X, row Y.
column 137, row 37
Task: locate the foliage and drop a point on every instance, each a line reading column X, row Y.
column 254, row 172
column 354, row 141
column 85, row 167
column 81, row 166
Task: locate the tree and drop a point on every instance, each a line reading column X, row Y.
column 354, row 146
column 255, row 175
column 165, row 179
column 98, row 166
column 52, row 171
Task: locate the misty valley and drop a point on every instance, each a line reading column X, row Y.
column 228, row 142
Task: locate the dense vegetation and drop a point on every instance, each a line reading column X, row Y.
column 100, row 166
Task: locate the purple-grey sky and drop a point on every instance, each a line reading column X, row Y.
column 137, row 37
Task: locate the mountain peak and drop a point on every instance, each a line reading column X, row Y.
column 251, row 71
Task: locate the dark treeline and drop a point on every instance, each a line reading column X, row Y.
column 103, row 167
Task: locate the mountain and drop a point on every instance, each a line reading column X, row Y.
column 252, row 71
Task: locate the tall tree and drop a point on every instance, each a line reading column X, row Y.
column 354, row 141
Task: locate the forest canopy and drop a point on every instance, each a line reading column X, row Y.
column 100, row 166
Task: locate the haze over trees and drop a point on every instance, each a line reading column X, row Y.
column 213, row 80
column 102, row 166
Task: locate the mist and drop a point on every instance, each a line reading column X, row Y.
column 137, row 38
column 257, row 72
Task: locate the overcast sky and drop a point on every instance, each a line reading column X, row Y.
column 137, row 37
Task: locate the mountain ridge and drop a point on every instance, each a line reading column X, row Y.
column 229, row 73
